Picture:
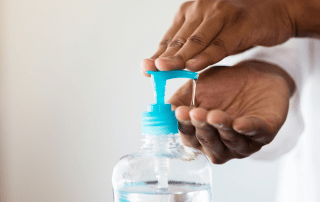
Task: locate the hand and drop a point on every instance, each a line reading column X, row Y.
column 238, row 110
column 206, row 31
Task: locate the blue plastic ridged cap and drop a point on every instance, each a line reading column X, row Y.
column 160, row 119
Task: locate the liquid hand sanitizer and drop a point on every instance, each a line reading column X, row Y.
column 162, row 170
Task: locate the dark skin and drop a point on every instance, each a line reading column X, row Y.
column 241, row 108
column 238, row 110
column 206, row 31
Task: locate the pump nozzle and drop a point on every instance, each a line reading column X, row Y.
column 160, row 119
column 159, row 79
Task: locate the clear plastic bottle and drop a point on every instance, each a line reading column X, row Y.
column 162, row 170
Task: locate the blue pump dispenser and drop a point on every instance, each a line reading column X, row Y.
column 162, row 170
column 160, row 119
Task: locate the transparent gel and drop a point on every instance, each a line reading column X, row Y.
column 186, row 172
column 194, row 87
column 180, row 191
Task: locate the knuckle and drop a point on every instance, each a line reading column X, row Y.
column 181, row 57
column 179, row 42
column 241, row 146
column 221, row 45
column 203, row 3
column 230, row 142
column 212, row 144
column 239, row 15
column 198, row 39
column 205, row 141
column 239, row 149
column 164, row 42
column 221, row 5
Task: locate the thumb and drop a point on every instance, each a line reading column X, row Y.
column 183, row 96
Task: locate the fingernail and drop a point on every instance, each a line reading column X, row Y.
column 241, row 131
column 251, row 133
column 222, row 127
column 198, row 123
column 218, row 125
column 185, row 122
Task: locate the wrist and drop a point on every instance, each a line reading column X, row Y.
column 306, row 17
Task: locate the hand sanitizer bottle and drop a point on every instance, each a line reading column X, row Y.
column 162, row 170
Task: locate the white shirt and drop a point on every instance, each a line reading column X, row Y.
column 298, row 141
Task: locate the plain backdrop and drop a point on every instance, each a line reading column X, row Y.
column 72, row 97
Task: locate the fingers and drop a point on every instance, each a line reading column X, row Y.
column 203, row 33
column 198, row 38
column 187, row 130
column 223, row 123
column 217, row 134
column 169, row 60
column 255, row 128
column 149, row 64
column 199, row 41
column 220, row 47
column 181, row 37
column 208, row 137
column 179, row 20
column 164, row 62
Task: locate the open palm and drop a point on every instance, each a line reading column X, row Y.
column 238, row 109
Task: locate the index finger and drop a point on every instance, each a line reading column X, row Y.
column 149, row 64
column 197, row 42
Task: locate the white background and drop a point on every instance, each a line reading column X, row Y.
column 72, row 95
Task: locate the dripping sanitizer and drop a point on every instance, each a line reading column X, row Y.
column 162, row 170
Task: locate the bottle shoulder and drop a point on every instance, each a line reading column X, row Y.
column 180, row 153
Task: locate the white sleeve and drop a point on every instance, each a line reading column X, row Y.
column 295, row 58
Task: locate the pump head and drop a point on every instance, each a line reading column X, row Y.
column 160, row 119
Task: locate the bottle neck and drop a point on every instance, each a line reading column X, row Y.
column 159, row 142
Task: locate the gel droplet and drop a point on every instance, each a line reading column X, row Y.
column 193, row 100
